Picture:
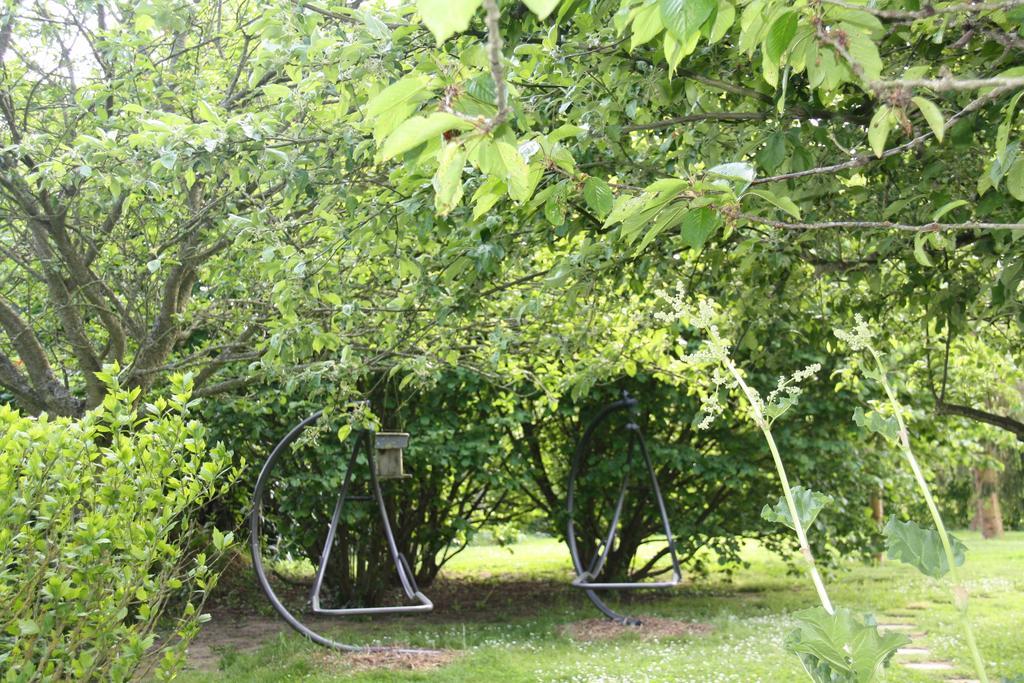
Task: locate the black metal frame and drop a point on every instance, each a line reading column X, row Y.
column 586, row 578
column 363, row 440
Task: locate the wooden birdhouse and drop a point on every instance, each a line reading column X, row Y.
column 389, row 447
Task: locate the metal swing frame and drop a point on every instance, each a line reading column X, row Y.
column 363, row 442
column 587, row 576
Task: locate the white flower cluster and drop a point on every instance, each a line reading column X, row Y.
column 701, row 313
column 859, row 337
column 787, row 388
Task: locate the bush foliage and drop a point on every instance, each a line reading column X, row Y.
column 98, row 535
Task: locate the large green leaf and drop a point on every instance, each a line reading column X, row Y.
column 922, row 548
column 419, row 129
column 542, row 8
column 598, row 196
column 780, row 35
column 517, row 172
column 808, row 504
column 878, row 130
column 840, row 648
column 683, row 18
column 698, row 225
column 932, row 114
column 646, row 24
column 740, row 173
column 1015, row 180
column 447, row 180
column 447, row 17
column 409, row 89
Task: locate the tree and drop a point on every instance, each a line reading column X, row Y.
column 313, row 196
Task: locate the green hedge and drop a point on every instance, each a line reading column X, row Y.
column 100, row 547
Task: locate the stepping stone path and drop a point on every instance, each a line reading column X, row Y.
column 921, row 661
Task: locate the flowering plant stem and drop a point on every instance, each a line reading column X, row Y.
column 765, row 427
column 959, row 592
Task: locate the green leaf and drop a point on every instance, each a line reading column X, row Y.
column 206, row 113
column 624, row 207
column 487, row 195
column 566, row 130
column 683, row 18
column 724, row 19
column 276, row 92
column 840, row 648
column 542, row 8
column 402, row 92
column 886, row 426
column 666, row 219
column 598, row 196
column 780, row 35
column 738, row 171
column 517, row 172
column 878, row 129
column 932, row 114
column 447, row 17
column 168, row 159
column 418, row 130
column 698, row 225
column 921, row 548
column 864, row 52
column 646, row 24
column 675, row 51
column 1003, row 132
column 920, row 253
column 773, row 153
column 947, row 207
column 447, row 180
column 554, row 211
column 27, row 627
column 808, row 504
column 1015, row 180
column 784, row 203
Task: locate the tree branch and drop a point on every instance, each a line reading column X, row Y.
column 1003, row 422
column 494, row 45
column 46, row 391
column 928, row 10
column 12, row 379
column 706, row 116
column 948, row 84
column 869, row 225
column 865, row 159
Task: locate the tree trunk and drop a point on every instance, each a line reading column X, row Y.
column 988, row 515
column 878, row 514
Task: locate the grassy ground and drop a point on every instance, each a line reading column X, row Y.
column 504, row 613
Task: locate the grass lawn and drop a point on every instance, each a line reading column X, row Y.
column 505, row 612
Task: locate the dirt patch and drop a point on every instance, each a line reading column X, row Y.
column 651, row 628
column 392, row 660
column 229, row 632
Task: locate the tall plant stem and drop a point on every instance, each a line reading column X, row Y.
column 959, row 592
column 787, row 492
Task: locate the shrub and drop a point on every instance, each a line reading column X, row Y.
column 99, row 538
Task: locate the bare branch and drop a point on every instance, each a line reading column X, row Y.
column 889, row 225
column 948, row 84
column 928, row 10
